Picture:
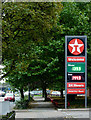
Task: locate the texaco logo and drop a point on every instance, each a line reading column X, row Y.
column 76, row 46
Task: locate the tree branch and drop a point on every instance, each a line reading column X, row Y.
column 11, row 68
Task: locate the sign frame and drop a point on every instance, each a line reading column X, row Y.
column 85, row 48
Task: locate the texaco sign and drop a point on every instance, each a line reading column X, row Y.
column 75, row 66
column 76, row 46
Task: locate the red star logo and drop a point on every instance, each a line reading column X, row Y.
column 76, row 46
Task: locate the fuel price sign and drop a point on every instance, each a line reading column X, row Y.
column 76, row 66
column 75, row 77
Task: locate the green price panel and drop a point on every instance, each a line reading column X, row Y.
column 76, row 67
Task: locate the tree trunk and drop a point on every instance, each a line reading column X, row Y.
column 29, row 94
column 62, row 93
column 43, row 92
column 22, row 94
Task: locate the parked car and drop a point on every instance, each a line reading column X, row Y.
column 32, row 93
column 48, row 92
column 17, row 94
column 9, row 97
column 55, row 93
column 37, row 92
column 27, row 93
column 2, row 93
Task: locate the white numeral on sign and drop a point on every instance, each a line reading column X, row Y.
column 76, row 68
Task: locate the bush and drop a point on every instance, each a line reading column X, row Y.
column 26, row 98
column 9, row 116
column 22, row 104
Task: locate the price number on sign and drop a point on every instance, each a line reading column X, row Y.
column 76, row 68
column 76, row 77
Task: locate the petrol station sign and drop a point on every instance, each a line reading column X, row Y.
column 75, row 46
column 76, row 66
column 75, row 85
column 75, row 59
column 75, row 91
column 75, row 77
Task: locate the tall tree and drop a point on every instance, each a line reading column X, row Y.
column 74, row 20
column 26, row 26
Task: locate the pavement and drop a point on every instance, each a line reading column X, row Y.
column 46, row 111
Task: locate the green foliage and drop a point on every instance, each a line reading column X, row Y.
column 25, row 27
column 74, row 20
column 34, row 40
column 8, row 115
column 22, row 104
column 79, row 102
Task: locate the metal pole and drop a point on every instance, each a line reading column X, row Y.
column 65, row 72
column 85, row 71
column 65, row 100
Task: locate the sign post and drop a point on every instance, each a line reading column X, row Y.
column 75, row 66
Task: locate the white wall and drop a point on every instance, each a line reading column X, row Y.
column 1, row 99
column 4, row 107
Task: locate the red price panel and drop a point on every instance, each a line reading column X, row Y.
column 75, row 91
column 75, row 85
